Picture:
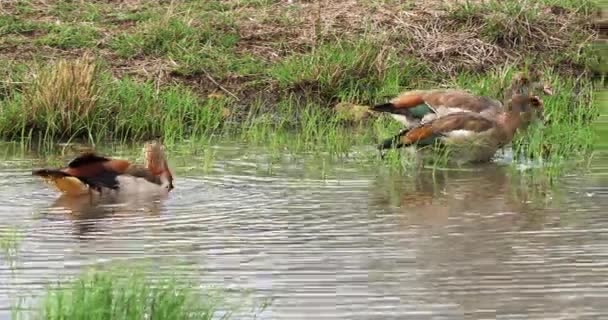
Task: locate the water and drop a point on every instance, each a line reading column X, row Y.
column 338, row 241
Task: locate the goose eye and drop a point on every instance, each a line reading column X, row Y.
column 535, row 101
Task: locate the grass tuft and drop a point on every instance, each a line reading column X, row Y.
column 67, row 36
column 61, row 97
column 128, row 295
column 347, row 70
column 568, row 132
column 191, row 40
column 10, row 238
column 78, row 98
column 15, row 25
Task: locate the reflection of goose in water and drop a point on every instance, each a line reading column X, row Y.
column 433, row 198
column 87, row 212
column 90, row 171
column 464, row 229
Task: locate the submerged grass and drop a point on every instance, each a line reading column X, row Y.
column 10, row 239
column 129, row 294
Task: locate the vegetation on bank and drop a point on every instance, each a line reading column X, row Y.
column 129, row 294
column 263, row 69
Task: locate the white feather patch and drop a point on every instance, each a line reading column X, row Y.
column 131, row 185
column 403, row 119
column 461, row 133
column 443, row 110
column 440, row 111
column 428, row 117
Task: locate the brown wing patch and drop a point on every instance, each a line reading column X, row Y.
column 409, row 99
column 458, row 99
column 89, row 170
column 417, row 134
column 462, row 121
column 93, row 169
column 95, row 175
column 87, row 158
column 118, row 166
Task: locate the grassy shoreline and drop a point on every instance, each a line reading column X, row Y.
column 261, row 70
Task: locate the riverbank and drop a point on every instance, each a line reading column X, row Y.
column 133, row 70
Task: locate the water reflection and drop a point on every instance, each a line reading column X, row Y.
column 87, row 211
column 476, row 242
column 490, row 245
column 433, row 197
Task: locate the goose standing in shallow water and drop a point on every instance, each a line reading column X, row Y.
column 471, row 136
column 416, row 107
column 90, row 171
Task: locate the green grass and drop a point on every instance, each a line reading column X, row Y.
column 159, row 66
column 343, row 70
column 570, row 113
column 15, row 25
column 600, row 126
column 73, row 11
column 127, row 293
column 78, row 99
column 158, row 37
column 364, row 71
column 69, row 36
column 10, row 239
column 191, row 39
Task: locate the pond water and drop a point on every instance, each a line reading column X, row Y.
column 356, row 242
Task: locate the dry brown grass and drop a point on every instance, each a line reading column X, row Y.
column 451, row 37
column 67, row 89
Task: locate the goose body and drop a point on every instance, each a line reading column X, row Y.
column 416, row 107
column 90, row 171
column 468, row 135
column 413, row 108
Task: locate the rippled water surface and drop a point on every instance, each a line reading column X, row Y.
column 350, row 243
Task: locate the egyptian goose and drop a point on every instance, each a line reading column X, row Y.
column 416, row 107
column 90, row 171
column 474, row 135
